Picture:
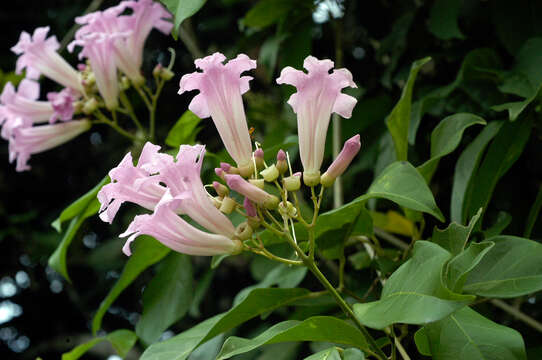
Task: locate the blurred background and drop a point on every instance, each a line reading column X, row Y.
column 43, row 315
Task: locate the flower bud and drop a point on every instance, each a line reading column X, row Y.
column 282, row 165
column 156, row 70
column 270, row 174
column 78, row 107
column 90, row 106
column 220, row 189
column 287, row 210
column 245, row 170
column 228, row 205
column 258, row 158
column 243, row 231
column 249, row 208
column 311, row 178
column 220, row 173
column 292, row 183
column 217, row 202
column 124, row 83
column 340, row 164
column 166, row 74
column 260, row 183
column 259, row 196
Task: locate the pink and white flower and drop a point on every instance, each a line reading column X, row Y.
column 340, row 164
column 128, row 184
column 221, row 86
column 318, row 95
column 183, row 177
column 26, row 141
column 62, row 103
column 252, row 192
column 174, row 232
column 38, row 54
column 21, row 108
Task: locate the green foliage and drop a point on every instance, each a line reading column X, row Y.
column 454, row 238
column 121, row 340
column 414, row 293
column 167, row 297
column 258, row 301
column 184, row 131
column 511, row 268
column 398, row 122
column 182, row 9
column 318, row 328
column 470, row 336
column 146, row 252
column 443, row 19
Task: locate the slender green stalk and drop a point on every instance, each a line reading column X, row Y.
column 104, row 120
column 130, row 110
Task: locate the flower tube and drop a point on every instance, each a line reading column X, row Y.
column 32, row 140
column 126, row 185
column 221, row 87
column 183, row 176
column 38, row 55
column 318, row 95
column 340, row 164
column 21, row 106
column 171, row 230
column 252, row 192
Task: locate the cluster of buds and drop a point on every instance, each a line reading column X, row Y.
column 112, row 42
column 251, row 186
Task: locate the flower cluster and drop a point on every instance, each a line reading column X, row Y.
column 173, row 187
column 112, row 41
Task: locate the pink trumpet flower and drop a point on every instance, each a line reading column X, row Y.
column 62, row 103
column 26, row 141
column 221, row 87
column 183, row 177
column 318, row 95
column 340, row 164
column 147, row 14
column 21, row 108
column 252, row 192
column 127, row 185
column 38, row 54
column 171, row 230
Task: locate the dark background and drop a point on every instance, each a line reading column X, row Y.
column 54, row 315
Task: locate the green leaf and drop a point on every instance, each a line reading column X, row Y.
column 511, row 268
column 122, row 341
column 353, row 354
column 461, row 265
column 58, row 259
column 401, row 183
column 167, row 297
column 466, row 168
column 267, row 12
column 147, row 251
column 454, row 238
column 445, row 138
column 533, row 214
column 443, row 19
column 414, row 293
column 467, row 335
column 501, row 223
column 203, row 284
column 398, row 121
column 501, row 155
column 317, row 328
column 327, row 354
column 259, row 301
column 79, row 206
column 422, row 342
column 184, row 131
column 182, row 9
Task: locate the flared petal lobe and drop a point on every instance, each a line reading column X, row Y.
column 318, row 95
column 38, row 54
column 174, row 232
column 221, row 86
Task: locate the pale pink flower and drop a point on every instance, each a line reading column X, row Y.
column 62, row 103
column 127, row 185
column 38, row 54
column 252, row 192
column 340, row 164
column 318, row 95
column 147, row 14
column 249, row 208
column 98, row 48
column 26, row 141
column 21, row 108
column 221, row 87
column 171, row 230
column 183, row 177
